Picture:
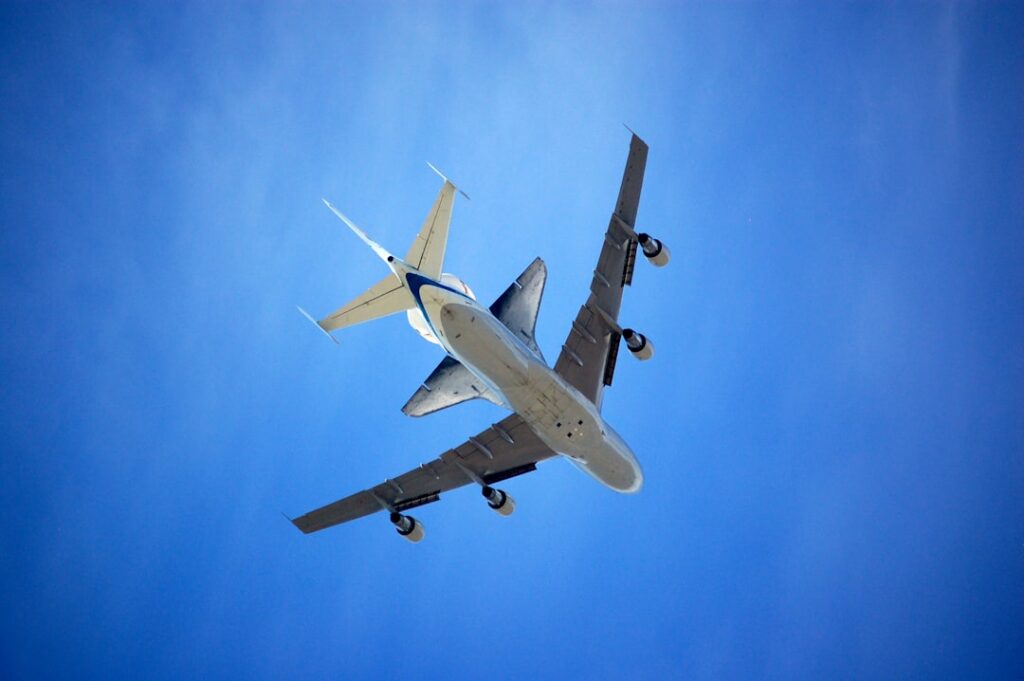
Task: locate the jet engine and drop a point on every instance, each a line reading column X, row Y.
column 415, row 317
column 408, row 527
column 498, row 500
column 638, row 344
column 656, row 252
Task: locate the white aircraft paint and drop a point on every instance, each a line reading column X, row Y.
column 561, row 416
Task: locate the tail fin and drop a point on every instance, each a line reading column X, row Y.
column 427, row 252
column 391, row 295
column 310, row 318
column 381, row 252
column 518, row 306
column 384, row 298
column 450, row 383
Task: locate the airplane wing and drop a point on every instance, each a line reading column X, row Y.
column 449, row 384
column 587, row 360
column 506, row 449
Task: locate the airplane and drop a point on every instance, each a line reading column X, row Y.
column 491, row 354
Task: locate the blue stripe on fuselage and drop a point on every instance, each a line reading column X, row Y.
column 418, row 281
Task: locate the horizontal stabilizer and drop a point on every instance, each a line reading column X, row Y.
column 384, row 298
column 518, row 306
column 449, row 384
column 322, row 329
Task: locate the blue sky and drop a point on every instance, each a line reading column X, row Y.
column 831, row 429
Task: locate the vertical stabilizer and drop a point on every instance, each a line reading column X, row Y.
column 381, row 252
column 449, row 384
column 518, row 306
column 427, row 253
column 391, row 294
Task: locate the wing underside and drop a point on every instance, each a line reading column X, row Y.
column 518, row 307
column 452, row 383
column 588, row 357
column 587, row 361
column 504, row 450
column 449, row 384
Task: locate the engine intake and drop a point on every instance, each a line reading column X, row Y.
column 498, row 500
column 638, row 344
column 408, row 527
column 656, row 252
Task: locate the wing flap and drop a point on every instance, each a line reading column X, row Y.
column 506, row 449
column 587, row 360
column 449, row 384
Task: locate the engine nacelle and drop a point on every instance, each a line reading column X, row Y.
column 408, row 527
column 499, row 501
column 656, row 252
column 638, row 344
column 416, row 319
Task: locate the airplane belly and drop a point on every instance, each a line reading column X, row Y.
column 560, row 415
column 571, row 425
column 612, row 465
column 479, row 341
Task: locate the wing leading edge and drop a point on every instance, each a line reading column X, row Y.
column 588, row 357
column 506, row 449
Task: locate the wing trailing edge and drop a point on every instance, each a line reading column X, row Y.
column 518, row 307
column 588, row 357
column 386, row 297
column 449, row 384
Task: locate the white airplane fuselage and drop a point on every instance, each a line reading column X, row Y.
column 562, row 417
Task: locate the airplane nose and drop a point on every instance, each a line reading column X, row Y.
column 633, row 480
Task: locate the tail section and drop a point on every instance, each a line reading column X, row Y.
column 449, row 384
column 377, row 248
column 391, row 295
column 310, row 318
column 427, row 252
column 386, row 297
column 452, row 383
column 518, row 307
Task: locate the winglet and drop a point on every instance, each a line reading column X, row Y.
column 381, row 252
column 322, row 329
column 443, row 177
